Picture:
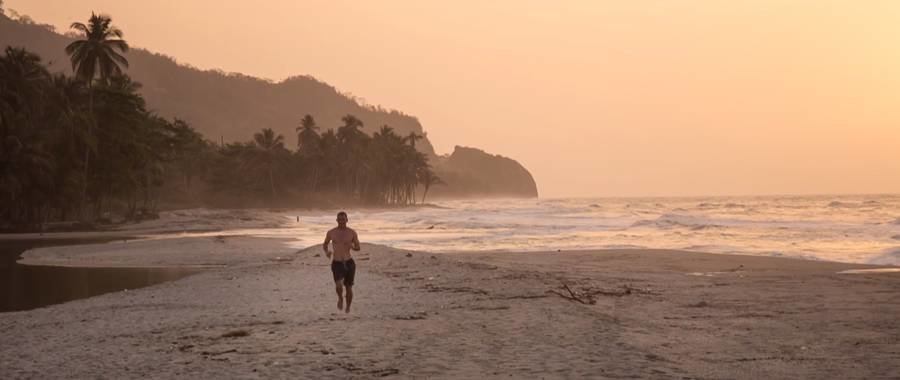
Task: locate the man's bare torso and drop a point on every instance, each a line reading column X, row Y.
column 342, row 241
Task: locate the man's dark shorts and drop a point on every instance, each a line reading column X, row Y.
column 345, row 270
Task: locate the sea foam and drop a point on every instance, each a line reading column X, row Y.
column 842, row 228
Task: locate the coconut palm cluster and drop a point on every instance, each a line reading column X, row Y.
column 84, row 147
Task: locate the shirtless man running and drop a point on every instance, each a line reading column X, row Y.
column 342, row 266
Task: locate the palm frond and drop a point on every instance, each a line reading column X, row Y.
column 75, row 46
column 118, row 58
column 117, row 44
column 80, row 27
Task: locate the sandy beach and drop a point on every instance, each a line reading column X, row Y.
column 541, row 190
column 262, row 310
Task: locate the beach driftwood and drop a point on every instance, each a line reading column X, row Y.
column 587, row 296
column 572, row 296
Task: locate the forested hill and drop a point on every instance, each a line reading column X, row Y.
column 221, row 105
column 232, row 107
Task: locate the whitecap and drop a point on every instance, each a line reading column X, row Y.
column 870, row 271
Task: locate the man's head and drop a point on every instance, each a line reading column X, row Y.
column 342, row 219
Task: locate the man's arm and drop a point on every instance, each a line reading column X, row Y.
column 355, row 241
column 325, row 244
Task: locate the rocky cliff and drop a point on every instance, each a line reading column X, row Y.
column 470, row 172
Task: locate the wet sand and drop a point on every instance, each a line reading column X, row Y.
column 24, row 287
column 266, row 311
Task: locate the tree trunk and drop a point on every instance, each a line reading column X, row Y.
column 315, row 178
column 82, row 208
column 424, row 194
column 272, row 182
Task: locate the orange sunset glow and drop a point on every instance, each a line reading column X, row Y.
column 596, row 98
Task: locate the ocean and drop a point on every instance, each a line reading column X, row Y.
column 845, row 228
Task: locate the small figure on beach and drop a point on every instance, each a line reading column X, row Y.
column 343, row 267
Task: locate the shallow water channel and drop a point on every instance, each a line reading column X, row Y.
column 24, row 287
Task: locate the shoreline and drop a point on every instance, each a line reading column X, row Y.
column 84, row 242
column 114, row 229
column 268, row 311
column 873, row 242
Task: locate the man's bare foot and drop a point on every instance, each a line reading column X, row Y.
column 341, row 303
column 347, row 310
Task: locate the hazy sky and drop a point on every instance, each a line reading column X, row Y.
column 596, row 98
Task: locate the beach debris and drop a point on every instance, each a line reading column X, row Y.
column 385, row 372
column 408, row 254
column 699, row 304
column 588, row 295
column 585, row 299
column 412, row 317
column 214, row 353
column 454, row 289
column 520, row 297
column 626, row 290
column 430, row 228
column 236, row 334
column 489, row 308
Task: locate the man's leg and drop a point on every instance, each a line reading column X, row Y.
column 348, row 281
column 349, row 297
column 338, row 286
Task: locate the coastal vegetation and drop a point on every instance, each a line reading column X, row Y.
column 230, row 107
column 87, row 148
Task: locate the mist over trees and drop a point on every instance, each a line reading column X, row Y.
column 78, row 150
column 221, row 105
column 86, row 148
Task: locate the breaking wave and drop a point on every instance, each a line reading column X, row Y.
column 842, row 228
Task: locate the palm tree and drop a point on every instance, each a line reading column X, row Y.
column 353, row 142
column 22, row 79
column 309, row 146
column 307, row 135
column 25, row 160
column 189, row 149
column 68, row 100
column 427, row 178
column 270, row 153
column 412, row 138
column 350, row 131
column 98, row 50
column 329, row 146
